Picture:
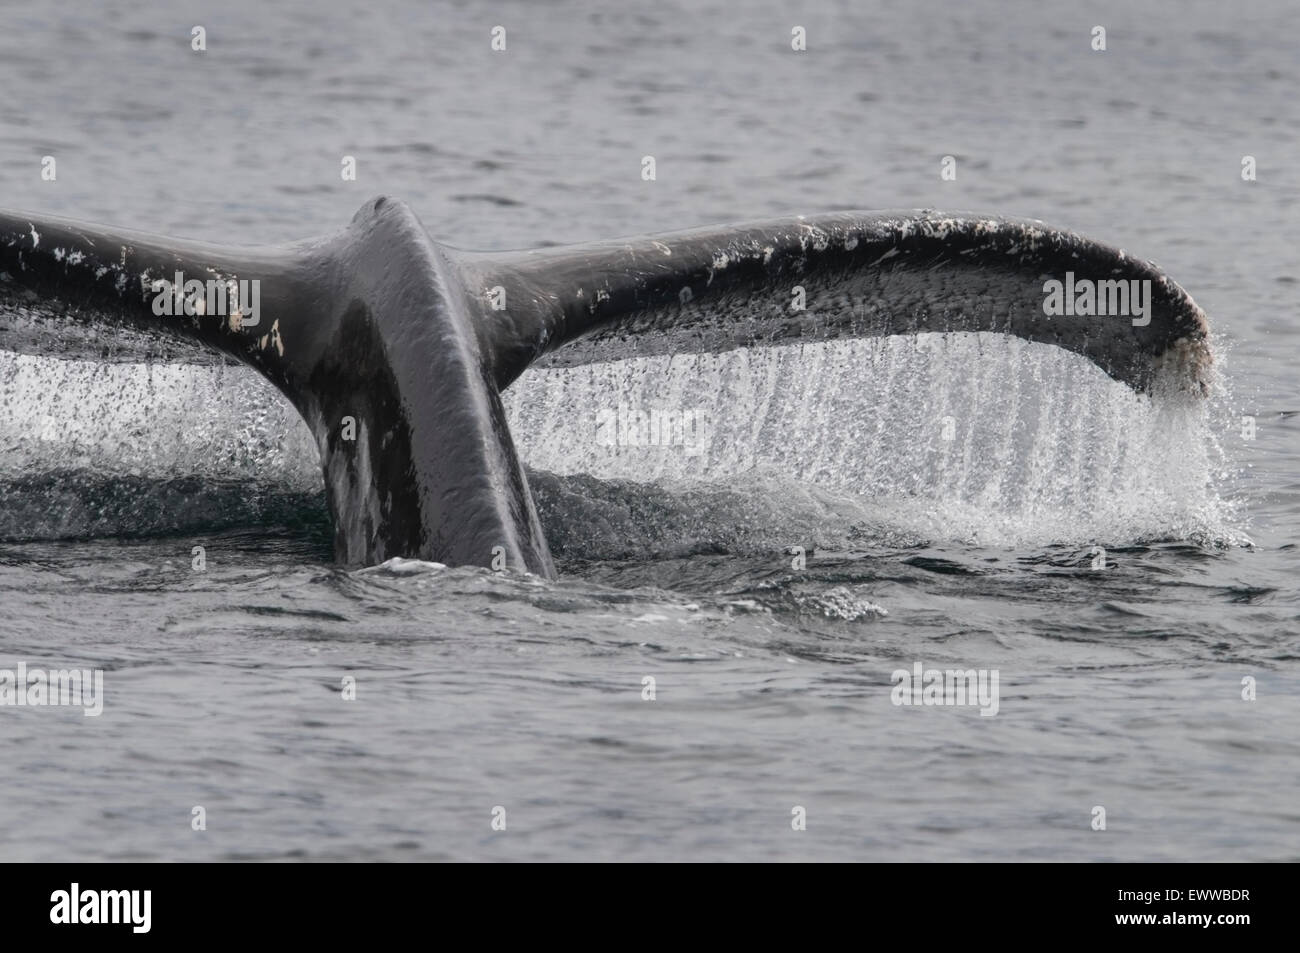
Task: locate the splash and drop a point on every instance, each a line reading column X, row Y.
column 118, row 449
column 159, row 421
column 973, row 437
column 850, row 443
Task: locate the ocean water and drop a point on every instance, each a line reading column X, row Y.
column 482, row 696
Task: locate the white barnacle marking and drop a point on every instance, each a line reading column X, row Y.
column 75, row 258
column 101, row 271
column 664, row 249
column 767, row 254
column 58, row 254
column 272, row 337
column 36, row 239
column 850, row 243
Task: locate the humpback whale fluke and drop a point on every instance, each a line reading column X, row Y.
column 395, row 349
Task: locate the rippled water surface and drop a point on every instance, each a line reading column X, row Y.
column 949, row 494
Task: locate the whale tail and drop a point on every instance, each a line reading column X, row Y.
column 395, row 349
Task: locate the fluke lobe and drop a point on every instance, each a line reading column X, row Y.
column 395, row 349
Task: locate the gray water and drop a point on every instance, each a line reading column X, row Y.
column 1120, row 687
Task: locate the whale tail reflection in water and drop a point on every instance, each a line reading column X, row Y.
column 396, row 349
